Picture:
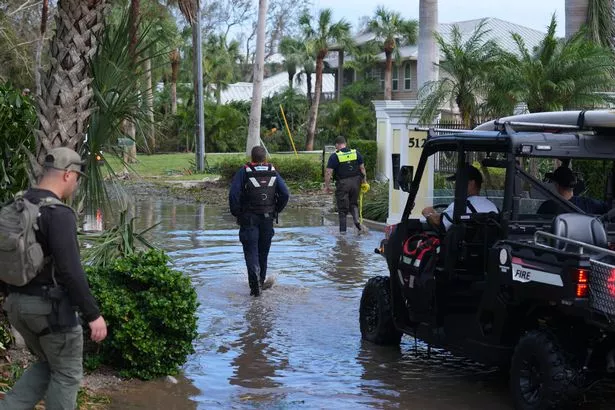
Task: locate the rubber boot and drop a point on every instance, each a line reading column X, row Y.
column 355, row 217
column 342, row 218
column 255, row 289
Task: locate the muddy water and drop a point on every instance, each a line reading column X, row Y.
column 299, row 345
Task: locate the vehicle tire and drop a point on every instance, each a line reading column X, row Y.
column 541, row 374
column 375, row 314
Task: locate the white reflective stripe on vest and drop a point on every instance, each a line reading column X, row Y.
column 272, row 181
column 254, row 182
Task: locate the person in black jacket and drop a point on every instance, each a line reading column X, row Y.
column 41, row 311
column 258, row 193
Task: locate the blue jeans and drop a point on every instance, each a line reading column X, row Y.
column 255, row 237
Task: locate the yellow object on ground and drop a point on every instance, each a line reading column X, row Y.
column 364, row 189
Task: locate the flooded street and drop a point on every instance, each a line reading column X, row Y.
column 299, row 344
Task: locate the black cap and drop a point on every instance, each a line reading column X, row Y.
column 563, row 176
column 472, row 173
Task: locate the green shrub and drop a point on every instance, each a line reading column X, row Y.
column 376, row 202
column 17, row 122
column 369, row 151
column 293, row 170
column 150, row 310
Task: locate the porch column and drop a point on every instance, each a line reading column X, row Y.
column 340, row 74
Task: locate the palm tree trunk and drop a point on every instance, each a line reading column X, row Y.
column 149, row 101
column 64, row 104
column 257, row 83
column 388, row 77
column 308, row 83
column 291, row 76
column 174, row 75
column 309, row 145
column 428, row 53
column 576, row 15
column 39, row 47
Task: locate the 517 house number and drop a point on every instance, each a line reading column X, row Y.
column 416, row 142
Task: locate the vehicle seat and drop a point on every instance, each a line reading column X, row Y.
column 579, row 227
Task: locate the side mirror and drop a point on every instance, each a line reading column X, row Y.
column 404, row 177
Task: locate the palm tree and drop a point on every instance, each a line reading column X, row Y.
column 463, row 76
column 293, row 52
column 364, row 58
column 219, row 64
column 64, row 104
column 254, row 124
column 309, row 68
column 39, row 46
column 428, row 55
column 392, row 32
column 557, row 75
column 597, row 15
column 323, row 35
column 175, row 59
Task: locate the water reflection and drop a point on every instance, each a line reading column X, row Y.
column 256, row 366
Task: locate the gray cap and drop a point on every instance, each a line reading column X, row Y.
column 65, row 159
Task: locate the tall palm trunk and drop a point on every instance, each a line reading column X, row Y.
column 576, row 15
column 308, row 83
column 129, row 127
column 309, row 144
column 427, row 69
column 39, row 47
column 388, row 72
column 174, row 75
column 257, row 83
column 64, row 104
column 291, row 76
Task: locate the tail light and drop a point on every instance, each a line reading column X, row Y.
column 582, row 288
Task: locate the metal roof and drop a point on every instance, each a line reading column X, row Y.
column 498, row 30
column 274, row 85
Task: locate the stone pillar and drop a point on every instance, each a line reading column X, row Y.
column 393, row 136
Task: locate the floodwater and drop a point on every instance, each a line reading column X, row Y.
column 298, row 346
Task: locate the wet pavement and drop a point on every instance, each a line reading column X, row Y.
column 299, row 345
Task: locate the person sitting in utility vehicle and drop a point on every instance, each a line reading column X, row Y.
column 476, row 203
column 564, row 180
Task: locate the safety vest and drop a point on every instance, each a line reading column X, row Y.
column 348, row 164
column 259, row 188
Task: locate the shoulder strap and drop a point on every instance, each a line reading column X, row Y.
column 474, row 211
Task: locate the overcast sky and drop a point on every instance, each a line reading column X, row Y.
column 531, row 13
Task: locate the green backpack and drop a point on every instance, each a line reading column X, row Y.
column 21, row 256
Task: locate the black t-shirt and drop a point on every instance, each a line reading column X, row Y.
column 334, row 162
column 58, row 238
column 586, row 204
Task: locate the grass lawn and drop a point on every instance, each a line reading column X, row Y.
column 181, row 165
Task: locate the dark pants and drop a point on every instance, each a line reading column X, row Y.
column 255, row 234
column 347, row 197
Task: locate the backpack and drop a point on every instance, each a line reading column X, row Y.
column 416, row 269
column 21, row 255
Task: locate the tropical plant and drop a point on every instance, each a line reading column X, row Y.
column 392, row 32
column 463, row 76
column 17, row 122
column 363, row 92
column 117, row 96
column 322, row 35
column 557, row 75
column 364, row 58
column 118, row 242
column 349, row 119
column 309, row 68
column 219, row 65
column 293, row 52
column 64, row 107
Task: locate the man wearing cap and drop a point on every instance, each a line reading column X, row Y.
column 476, row 203
column 347, row 167
column 564, row 180
column 50, row 327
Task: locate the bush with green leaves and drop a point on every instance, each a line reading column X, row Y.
column 292, row 169
column 17, row 122
column 150, row 310
column 369, row 151
column 376, row 202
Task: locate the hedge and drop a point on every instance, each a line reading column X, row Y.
column 369, row 150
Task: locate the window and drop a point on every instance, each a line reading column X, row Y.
column 407, row 76
column 395, row 78
column 377, row 74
